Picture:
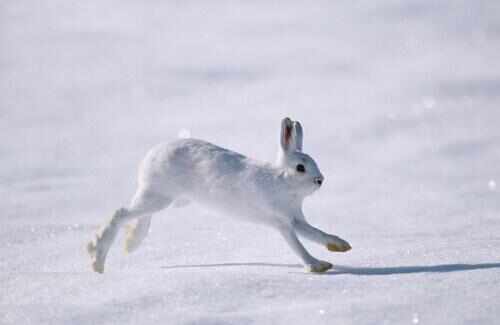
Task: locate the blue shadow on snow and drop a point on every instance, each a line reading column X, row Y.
column 342, row 269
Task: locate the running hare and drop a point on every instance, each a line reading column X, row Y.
column 189, row 169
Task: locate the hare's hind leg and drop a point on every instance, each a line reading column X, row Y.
column 136, row 232
column 144, row 204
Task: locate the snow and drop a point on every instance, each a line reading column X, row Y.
column 399, row 103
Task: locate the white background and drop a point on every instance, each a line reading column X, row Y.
column 400, row 105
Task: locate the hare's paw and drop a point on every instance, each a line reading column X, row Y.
column 318, row 267
column 132, row 240
column 92, row 248
column 337, row 244
column 136, row 233
column 98, row 266
column 96, row 259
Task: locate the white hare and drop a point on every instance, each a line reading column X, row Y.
column 189, row 169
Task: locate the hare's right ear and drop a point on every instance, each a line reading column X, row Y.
column 286, row 134
column 297, row 136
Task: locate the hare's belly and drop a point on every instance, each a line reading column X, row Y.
column 235, row 200
column 238, row 208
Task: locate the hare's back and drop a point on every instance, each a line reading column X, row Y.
column 199, row 154
column 191, row 163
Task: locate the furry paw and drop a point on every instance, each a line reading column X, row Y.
column 131, row 241
column 92, row 248
column 98, row 266
column 318, row 267
column 338, row 245
column 97, row 263
column 136, row 233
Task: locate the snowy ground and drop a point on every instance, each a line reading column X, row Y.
column 400, row 104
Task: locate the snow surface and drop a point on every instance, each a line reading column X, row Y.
column 400, row 106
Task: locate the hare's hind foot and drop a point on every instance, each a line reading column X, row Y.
column 143, row 205
column 99, row 246
column 318, row 267
column 136, row 233
column 337, row 244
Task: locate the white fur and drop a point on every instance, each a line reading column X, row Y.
column 195, row 170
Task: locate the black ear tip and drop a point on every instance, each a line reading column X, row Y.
column 287, row 123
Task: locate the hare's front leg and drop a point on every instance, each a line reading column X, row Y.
column 332, row 242
column 310, row 263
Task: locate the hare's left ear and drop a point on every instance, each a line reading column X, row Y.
column 286, row 135
column 297, row 135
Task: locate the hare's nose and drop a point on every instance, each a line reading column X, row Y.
column 318, row 180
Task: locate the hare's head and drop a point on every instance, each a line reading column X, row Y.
column 300, row 169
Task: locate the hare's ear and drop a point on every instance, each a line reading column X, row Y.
column 297, row 135
column 286, row 134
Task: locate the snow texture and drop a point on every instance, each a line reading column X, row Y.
column 399, row 101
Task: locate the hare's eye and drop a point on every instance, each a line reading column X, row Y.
column 300, row 168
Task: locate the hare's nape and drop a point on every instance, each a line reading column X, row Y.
column 143, row 205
